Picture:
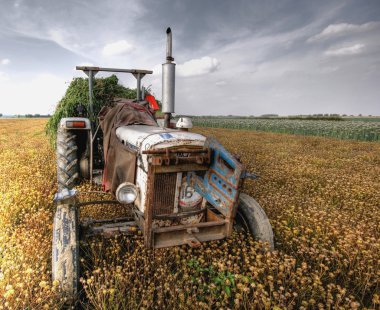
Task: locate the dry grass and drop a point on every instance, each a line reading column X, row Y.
column 321, row 195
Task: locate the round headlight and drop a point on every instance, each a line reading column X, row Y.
column 126, row 193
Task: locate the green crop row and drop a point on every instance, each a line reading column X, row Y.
column 347, row 130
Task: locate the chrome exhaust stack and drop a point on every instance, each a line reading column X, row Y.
column 168, row 81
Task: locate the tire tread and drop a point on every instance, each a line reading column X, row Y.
column 258, row 222
column 65, row 250
column 67, row 161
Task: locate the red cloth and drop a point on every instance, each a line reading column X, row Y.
column 152, row 101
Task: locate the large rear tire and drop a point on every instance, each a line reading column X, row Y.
column 65, row 256
column 251, row 217
column 67, row 160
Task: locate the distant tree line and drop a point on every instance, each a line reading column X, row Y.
column 26, row 115
column 331, row 117
column 34, row 115
column 30, row 115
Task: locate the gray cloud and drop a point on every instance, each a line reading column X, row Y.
column 337, row 30
column 5, row 61
column 196, row 67
column 242, row 57
column 347, row 50
column 118, row 48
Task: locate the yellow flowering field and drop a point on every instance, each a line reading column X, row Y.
column 322, row 197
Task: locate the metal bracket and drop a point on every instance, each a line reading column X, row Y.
column 113, row 229
column 88, row 72
column 138, row 77
column 248, row 175
column 193, row 242
column 65, row 194
column 91, row 74
column 92, row 71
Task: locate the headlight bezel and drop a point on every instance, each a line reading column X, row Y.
column 125, row 192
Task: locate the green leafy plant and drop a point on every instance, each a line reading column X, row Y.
column 104, row 91
column 223, row 281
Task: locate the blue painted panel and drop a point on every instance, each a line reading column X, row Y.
column 220, row 186
column 166, row 135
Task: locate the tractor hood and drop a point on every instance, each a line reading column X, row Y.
column 143, row 137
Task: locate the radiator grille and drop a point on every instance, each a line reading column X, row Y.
column 164, row 193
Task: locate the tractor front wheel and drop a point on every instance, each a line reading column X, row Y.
column 251, row 218
column 67, row 160
column 65, row 255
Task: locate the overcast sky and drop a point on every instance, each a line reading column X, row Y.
column 233, row 57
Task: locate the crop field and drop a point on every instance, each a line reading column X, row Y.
column 356, row 129
column 322, row 197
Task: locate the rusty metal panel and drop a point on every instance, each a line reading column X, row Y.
column 178, row 185
column 189, row 234
column 180, row 168
column 177, row 156
column 148, row 213
column 164, row 193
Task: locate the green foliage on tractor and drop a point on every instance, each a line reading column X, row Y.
column 104, row 91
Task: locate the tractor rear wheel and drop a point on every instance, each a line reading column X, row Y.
column 67, row 159
column 65, row 251
column 251, row 218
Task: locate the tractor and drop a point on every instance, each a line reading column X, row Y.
column 183, row 188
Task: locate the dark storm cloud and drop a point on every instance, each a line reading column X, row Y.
column 233, row 57
column 209, row 25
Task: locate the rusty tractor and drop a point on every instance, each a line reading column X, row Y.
column 181, row 187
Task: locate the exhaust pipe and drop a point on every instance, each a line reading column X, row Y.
column 168, row 81
column 169, row 45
